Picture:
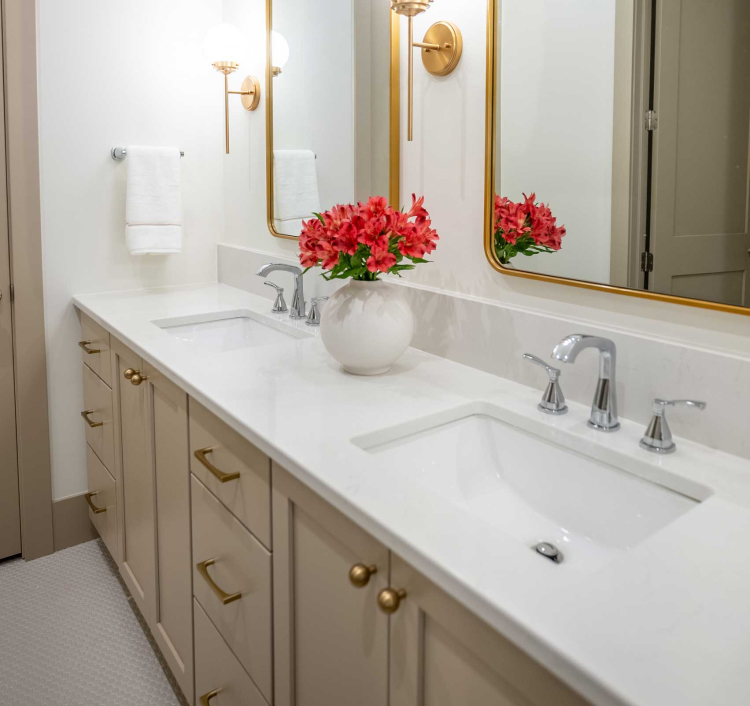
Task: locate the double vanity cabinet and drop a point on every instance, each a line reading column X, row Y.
column 258, row 591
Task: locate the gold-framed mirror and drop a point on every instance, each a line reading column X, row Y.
column 584, row 102
column 332, row 109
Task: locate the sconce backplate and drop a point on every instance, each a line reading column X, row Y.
column 250, row 93
column 448, row 37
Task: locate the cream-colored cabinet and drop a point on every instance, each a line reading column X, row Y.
column 330, row 639
column 331, row 617
column 441, row 654
column 219, row 677
column 232, row 583
column 173, row 609
column 138, row 525
column 95, row 348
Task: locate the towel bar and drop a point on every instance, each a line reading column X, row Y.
column 120, row 153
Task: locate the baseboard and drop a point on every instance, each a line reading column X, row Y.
column 70, row 522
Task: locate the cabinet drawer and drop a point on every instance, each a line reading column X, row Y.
column 217, row 669
column 102, row 496
column 248, row 497
column 98, row 425
column 241, row 565
column 95, row 338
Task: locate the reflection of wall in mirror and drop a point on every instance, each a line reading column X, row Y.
column 333, row 95
column 555, row 119
column 313, row 97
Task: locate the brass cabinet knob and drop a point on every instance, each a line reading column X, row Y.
column 129, row 373
column 390, row 599
column 137, row 378
column 359, row 574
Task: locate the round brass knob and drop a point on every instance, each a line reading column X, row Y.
column 137, row 378
column 129, row 373
column 359, row 574
column 390, row 599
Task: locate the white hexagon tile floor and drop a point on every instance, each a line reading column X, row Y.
column 69, row 636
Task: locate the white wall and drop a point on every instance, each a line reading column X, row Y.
column 555, row 123
column 117, row 74
column 446, row 162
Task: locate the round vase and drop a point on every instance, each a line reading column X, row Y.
column 367, row 326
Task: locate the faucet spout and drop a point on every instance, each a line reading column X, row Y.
column 604, row 407
column 298, row 299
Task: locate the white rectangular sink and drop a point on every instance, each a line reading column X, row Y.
column 531, row 489
column 232, row 331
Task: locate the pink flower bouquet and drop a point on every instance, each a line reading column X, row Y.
column 527, row 228
column 366, row 240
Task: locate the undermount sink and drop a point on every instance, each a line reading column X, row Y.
column 233, row 331
column 533, row 490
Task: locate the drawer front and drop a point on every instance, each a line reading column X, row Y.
column 96, row 338
column 217, row 669
column 241, row 565
column 98, row 426
column 102, row 497
column 248, row 497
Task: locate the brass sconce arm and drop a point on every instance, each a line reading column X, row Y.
column 441, row 50
column 250, row 91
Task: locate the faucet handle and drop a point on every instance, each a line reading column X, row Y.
column 313, row 316
column 554, row 373
column 658, row 435
column 553, row 400
column 279, row 306
column 661, row 405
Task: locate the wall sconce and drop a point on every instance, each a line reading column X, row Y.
column 279, row 52
column 224, row 41
column 441, row 49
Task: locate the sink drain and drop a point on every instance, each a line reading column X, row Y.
column 549, row 551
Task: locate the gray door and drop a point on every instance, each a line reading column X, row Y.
column 10, row 517
column 699, row 233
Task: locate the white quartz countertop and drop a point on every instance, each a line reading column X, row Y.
column 666, row 623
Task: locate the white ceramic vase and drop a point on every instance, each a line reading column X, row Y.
column 367, row 326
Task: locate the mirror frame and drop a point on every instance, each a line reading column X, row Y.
column 394, row 140
column 493, row 41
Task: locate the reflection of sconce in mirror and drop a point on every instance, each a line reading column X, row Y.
column 441, row 48
column 279, row 52
column 224, row 41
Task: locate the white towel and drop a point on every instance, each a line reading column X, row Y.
column 295, row 189
column 154, row 203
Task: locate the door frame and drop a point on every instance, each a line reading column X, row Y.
column 25, row 240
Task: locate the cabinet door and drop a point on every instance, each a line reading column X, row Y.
column 137, row 545
column 173, row 609
column 330, row 639
column 443, row 655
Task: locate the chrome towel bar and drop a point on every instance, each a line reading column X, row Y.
column 121, row 153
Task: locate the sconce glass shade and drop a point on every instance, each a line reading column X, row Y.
column 223, row 43
column 279, row 50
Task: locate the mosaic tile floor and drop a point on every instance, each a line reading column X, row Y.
column 69, row 635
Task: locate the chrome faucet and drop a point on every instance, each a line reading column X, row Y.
column 298, row 299
column 604, row 407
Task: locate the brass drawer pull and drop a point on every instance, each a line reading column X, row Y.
column 207, row 697
column 223, row 596
column 85, row 345
column 93, row 425
column 201, row 454
column 359, row 574
column 389, row 600
column 96, row 510
column 128, row 374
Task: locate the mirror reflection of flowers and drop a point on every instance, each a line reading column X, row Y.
column 364, row 240
column 525, row 228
